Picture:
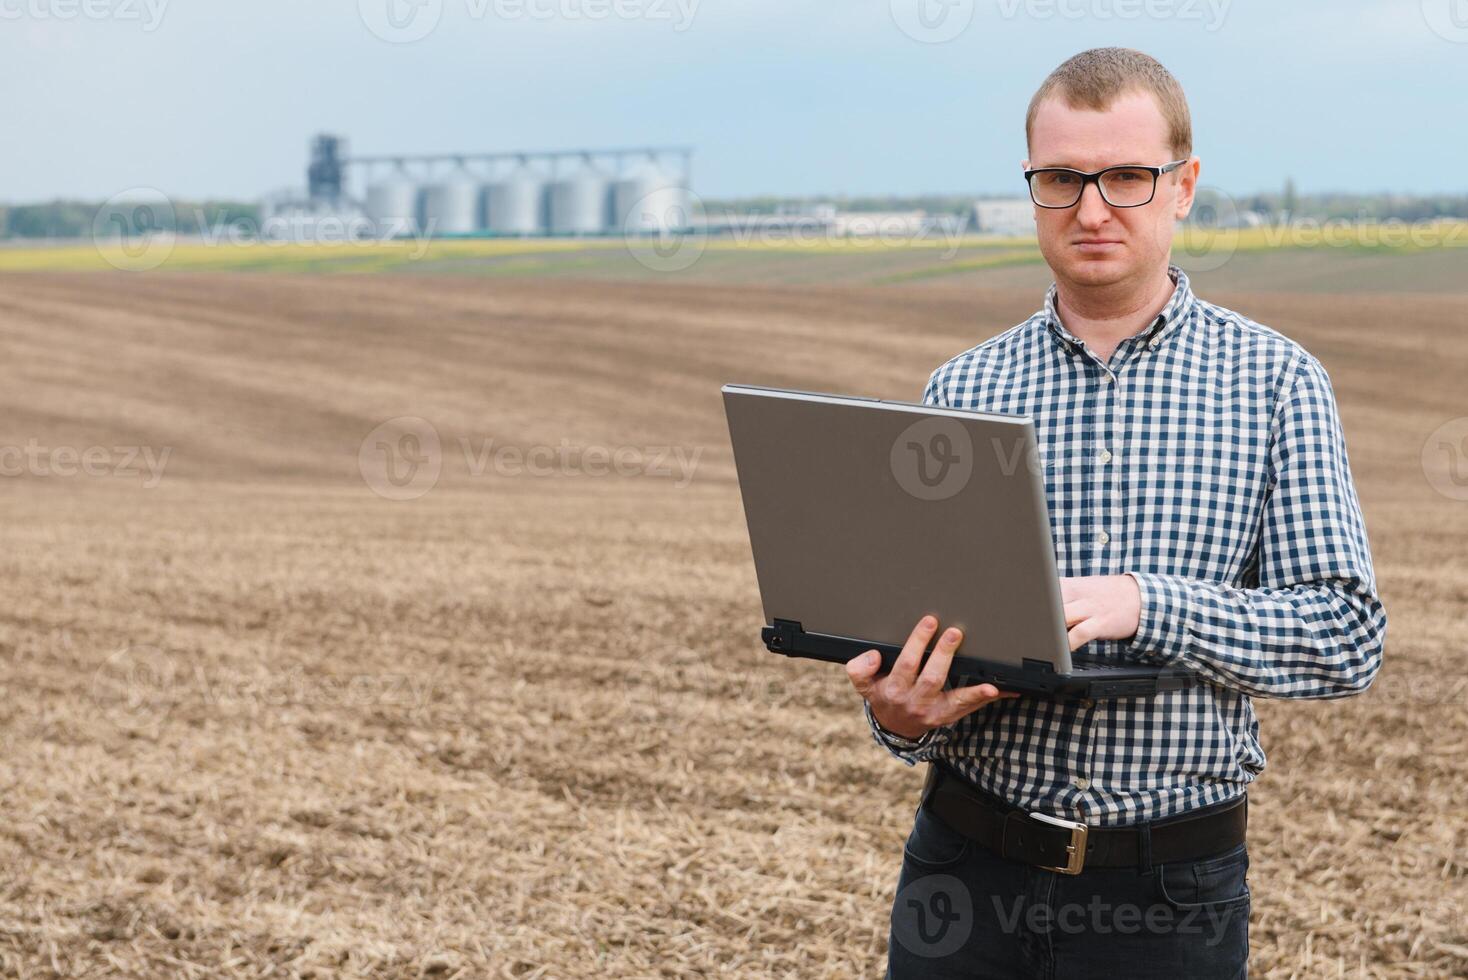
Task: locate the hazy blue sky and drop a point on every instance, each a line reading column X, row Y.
column 207, row 97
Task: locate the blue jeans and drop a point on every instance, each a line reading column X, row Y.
column 963, row 911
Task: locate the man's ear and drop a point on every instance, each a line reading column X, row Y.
column 1187, row 186
column 1024, row 164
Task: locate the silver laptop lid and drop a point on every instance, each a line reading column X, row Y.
column 864, row 514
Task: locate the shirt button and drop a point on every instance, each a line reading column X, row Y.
column 1154, row 341
column 1086, row 703
column 1105, row 455
column 1103, row 537
column 1081, row 782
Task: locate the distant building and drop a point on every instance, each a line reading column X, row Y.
column 1003, row 216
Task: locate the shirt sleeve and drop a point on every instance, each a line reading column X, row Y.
column 908, row 750
column 1315, row 626
column 924, row 749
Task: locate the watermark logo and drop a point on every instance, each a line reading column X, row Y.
column 402, row 458
column 932, row 21
column 136, row 684
column 406, row 21
column 933, row 458
column 1445, row 459
column 933, row 916
column 1211, row 237
column 666, row 230
column 400, row 21
column 134, row 230
column 1448, row 19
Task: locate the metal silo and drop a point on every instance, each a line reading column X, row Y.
column 578, row 204
column 649, row 201
column 515, row 205
column 392, row 204
column 451, row 206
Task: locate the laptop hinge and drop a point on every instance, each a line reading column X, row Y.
column 780, row 637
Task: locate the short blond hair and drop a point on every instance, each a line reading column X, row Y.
column 1093, row 79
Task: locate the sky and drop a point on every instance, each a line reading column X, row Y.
column 219, row 98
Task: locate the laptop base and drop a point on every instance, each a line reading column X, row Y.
column 1090, row 679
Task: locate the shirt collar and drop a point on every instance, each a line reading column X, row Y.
column 1175, row 312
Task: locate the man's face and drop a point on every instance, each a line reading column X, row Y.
column 1093, row 243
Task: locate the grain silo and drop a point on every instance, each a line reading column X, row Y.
column 451, row 205
column 515, row 204
column 578, row 204
column 648, row 201
column 392, row 204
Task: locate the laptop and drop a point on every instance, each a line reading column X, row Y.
column 864, row 514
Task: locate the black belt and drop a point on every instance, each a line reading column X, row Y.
column 1068, row 846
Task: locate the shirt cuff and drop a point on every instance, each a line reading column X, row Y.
column 1162, row 627
column 909, row 751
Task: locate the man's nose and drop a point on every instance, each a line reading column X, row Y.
column 1092, row 209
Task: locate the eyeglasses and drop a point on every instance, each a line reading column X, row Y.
column 1121, row 187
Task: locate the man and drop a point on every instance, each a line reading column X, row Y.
column 1204, row 517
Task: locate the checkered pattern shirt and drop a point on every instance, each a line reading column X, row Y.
column 1206, row 460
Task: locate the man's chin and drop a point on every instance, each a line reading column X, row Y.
column 1096, row 272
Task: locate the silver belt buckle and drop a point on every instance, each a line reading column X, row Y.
column 1075, row 850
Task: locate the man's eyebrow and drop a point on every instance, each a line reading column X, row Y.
column 1071, row 166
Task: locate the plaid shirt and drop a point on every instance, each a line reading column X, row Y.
column 1206, row 460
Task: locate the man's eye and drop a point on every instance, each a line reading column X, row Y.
column 1062, row 178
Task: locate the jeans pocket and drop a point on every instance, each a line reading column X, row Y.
column 933, row 844
column 1220, row 881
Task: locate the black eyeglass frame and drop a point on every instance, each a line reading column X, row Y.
column 1095, row 177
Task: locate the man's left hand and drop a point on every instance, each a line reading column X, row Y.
column 1100, row 607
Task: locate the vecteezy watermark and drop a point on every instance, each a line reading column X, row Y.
column 140, row 228
column 933, row 458
column 1210, row 13
column 280, row 230
column 406, row 21
column 932, row 21
column 135, row 230
column 1445, row 459
column 1099, row 917
column 933, row 916
column 403, row 458
column 145, row 463
column 1448, row 19
column 139, row 684
column 149, row 13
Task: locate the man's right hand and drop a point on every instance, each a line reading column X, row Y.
column 907, row 703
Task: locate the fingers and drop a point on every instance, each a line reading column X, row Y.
column 1082, row 633
column 962, row 701
column 905, row 671
column 862, row 670
column 935, row 671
